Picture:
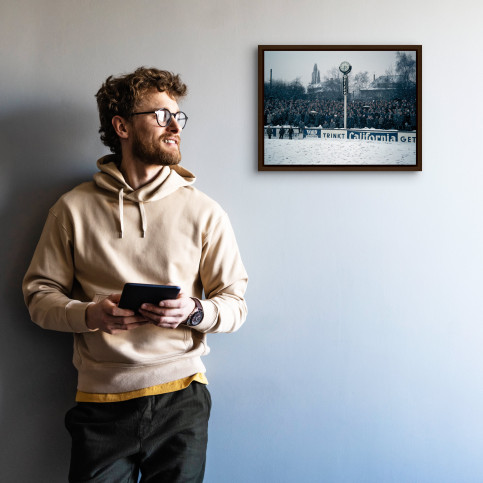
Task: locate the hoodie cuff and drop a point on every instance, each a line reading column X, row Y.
column 210, row 316
column 75, row 312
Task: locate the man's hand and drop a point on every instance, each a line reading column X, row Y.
column 169, row 313
column 108, row 317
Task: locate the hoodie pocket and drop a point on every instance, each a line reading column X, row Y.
column 146, row 345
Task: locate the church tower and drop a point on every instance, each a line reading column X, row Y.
column 315, row 75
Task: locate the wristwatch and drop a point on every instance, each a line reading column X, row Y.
column 196, row 316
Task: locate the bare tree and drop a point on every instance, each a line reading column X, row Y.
column 389, row 71
column 284, row 90
column 406, row 69
column 333, row 84
column 333, row 73
column 360, row 80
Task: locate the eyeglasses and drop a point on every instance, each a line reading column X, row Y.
column 164, row 116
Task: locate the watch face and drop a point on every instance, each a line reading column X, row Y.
column 195, row 319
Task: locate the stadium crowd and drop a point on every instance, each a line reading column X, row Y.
column 397, row 114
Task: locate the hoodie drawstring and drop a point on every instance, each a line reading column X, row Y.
column 142, row 212
column 143, row 217
column 121, row 212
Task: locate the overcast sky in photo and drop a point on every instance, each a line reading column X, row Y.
column 288, row 65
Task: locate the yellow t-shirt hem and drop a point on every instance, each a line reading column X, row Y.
column 165, row 388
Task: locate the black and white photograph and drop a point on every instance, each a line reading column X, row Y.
column 339, row 107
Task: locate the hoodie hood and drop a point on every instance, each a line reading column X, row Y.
column 110, row 178
column 169, row 179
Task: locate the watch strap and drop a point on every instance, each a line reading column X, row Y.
column 196, row 316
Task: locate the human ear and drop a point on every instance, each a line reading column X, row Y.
column 120, row 125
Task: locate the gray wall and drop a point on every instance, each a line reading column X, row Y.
column 361, row 358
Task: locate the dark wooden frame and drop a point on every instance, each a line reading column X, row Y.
column 261, row 52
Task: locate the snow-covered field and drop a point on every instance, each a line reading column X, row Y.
column 338, row 151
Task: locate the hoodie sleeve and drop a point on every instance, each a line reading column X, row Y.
column 49, row 280
column 224, row 280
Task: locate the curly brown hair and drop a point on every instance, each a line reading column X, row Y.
column 118, row 96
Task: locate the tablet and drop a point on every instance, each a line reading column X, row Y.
column 135, row 294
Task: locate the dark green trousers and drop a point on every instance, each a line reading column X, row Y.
column 163, row 437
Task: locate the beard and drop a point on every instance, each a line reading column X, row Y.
column 153, row 153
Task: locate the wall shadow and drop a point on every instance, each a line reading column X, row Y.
column 37, row 379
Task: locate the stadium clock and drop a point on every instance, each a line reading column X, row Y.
column 345, row 67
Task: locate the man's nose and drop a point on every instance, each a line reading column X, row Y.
column 173, row 126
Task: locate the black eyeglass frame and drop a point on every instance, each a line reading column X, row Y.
column 171, row 115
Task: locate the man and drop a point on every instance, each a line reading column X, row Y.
column 142, row 402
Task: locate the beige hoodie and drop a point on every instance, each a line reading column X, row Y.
column 103, row 234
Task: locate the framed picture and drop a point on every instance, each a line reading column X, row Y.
column 339, row 107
